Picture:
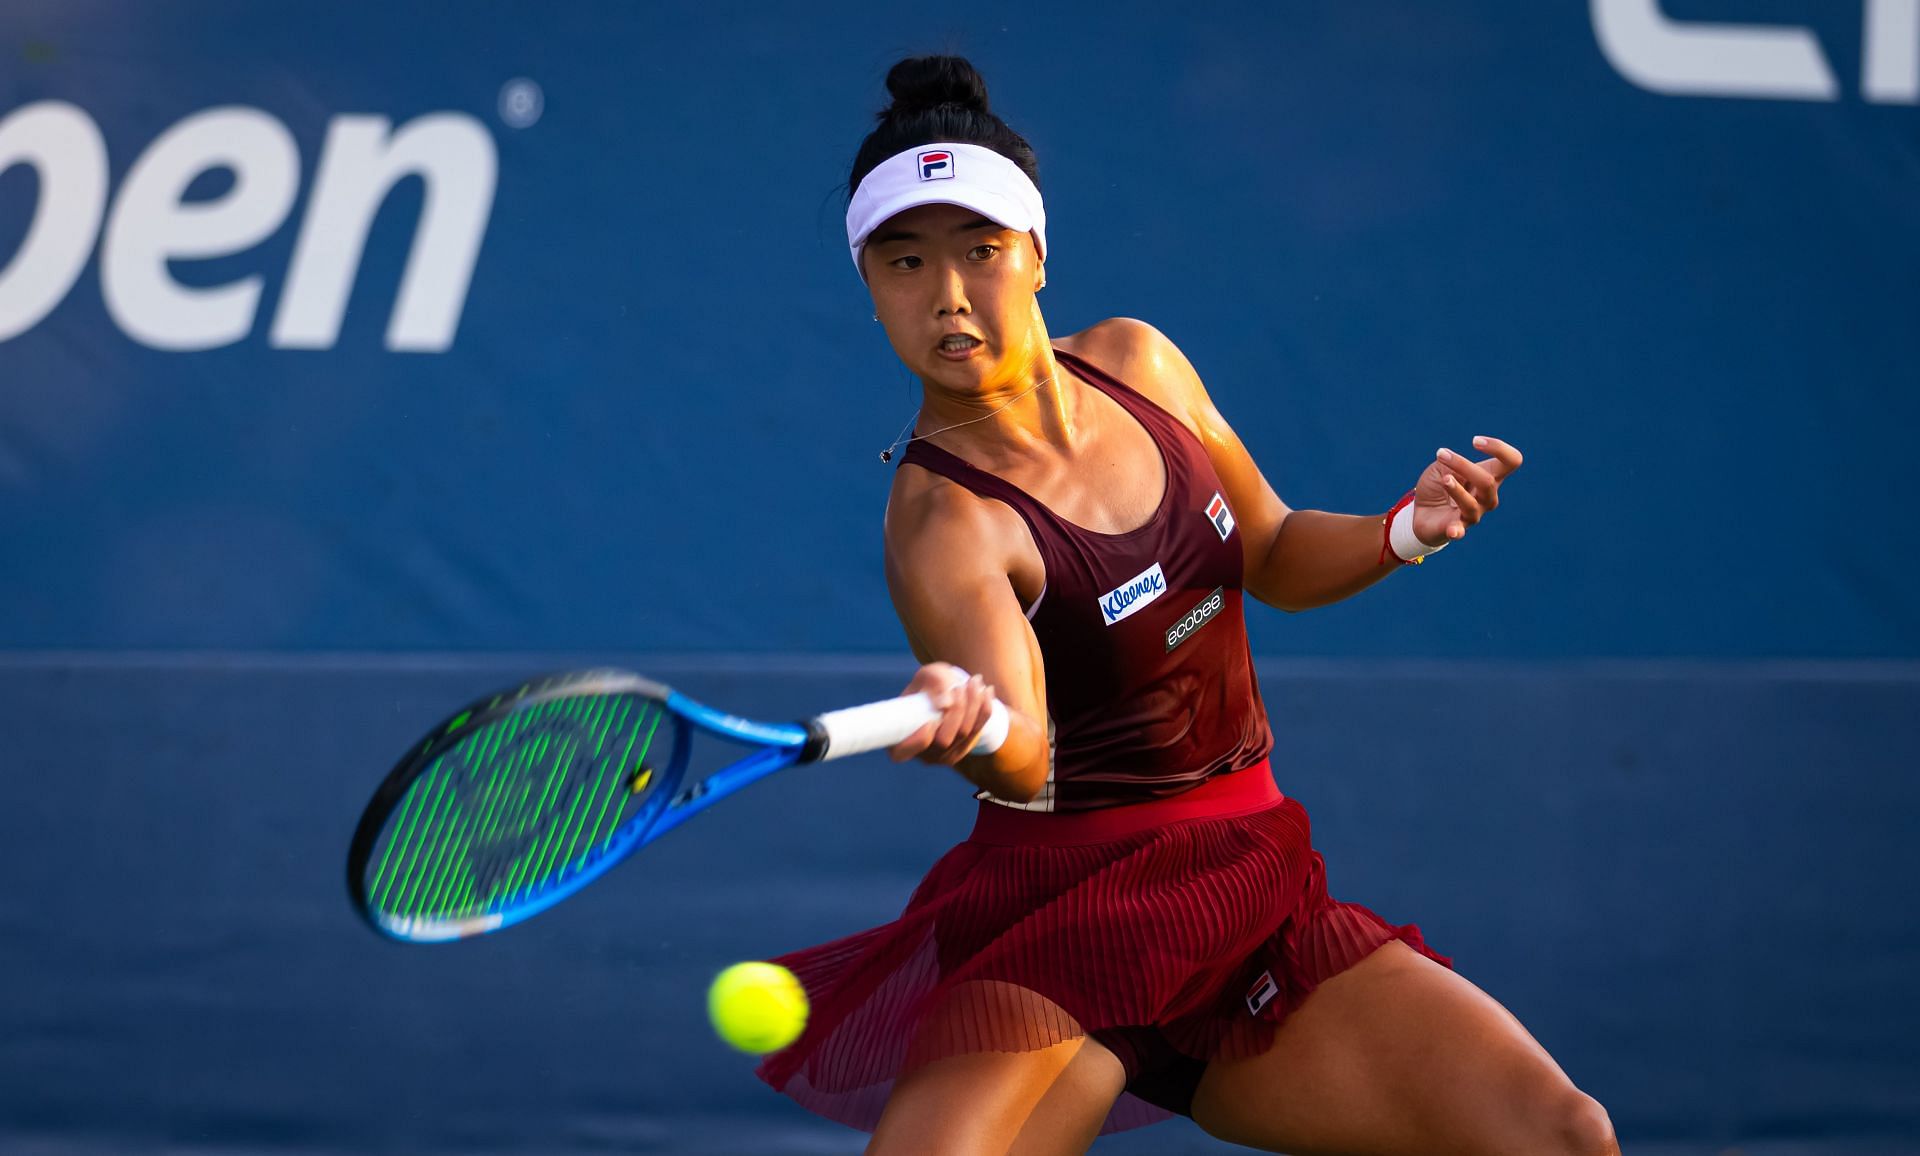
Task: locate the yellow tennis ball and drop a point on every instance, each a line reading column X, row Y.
column 757, row 1007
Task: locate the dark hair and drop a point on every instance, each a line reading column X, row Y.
column 938, row 98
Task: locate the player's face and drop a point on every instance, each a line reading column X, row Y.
column 937, row 270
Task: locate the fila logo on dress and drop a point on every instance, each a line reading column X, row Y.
column 1220, row 516
column 1261, row 993
column 936, row 166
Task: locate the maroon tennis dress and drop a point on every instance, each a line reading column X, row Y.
column 1160, row 894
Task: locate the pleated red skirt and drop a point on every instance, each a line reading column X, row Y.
column 1176, row 932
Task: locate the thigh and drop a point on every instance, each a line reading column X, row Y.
column 971, row 1103
column 1400, row 1055
column 1068, row 1117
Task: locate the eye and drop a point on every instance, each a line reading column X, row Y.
column 989, row 249
column 897, row 262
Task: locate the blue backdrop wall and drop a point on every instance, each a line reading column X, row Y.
column 652, row 422
column 355, row 358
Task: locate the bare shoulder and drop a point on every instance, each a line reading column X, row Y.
column 932, row 521
column 946, row 548
column 1146, row 359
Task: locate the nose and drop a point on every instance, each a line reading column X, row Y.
column 952, row 296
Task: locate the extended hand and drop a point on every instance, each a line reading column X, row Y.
column 965, row 705
column 1455, row 493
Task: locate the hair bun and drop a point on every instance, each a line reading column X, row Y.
column 923, row 82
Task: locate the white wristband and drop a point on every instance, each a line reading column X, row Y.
column 1408, row 547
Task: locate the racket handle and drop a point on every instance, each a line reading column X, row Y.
column 859, row 729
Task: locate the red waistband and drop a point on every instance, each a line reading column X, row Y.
column 1222, row 796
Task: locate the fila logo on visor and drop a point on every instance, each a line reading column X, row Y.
column 1132, row 594
column 1220, row 516
column 936, row 166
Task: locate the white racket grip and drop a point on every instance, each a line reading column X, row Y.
column 859, row 729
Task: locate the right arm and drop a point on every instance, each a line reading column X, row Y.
column 948, row 559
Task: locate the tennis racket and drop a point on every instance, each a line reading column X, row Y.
column 524, row 797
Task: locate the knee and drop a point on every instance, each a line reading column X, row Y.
column 1581, row 1127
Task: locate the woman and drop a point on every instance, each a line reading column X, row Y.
column 1138, row 925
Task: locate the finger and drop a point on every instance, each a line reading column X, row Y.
column 1468, row 505
column 955, row 719
column 913, row 744
column 933, row 678
column 982, row 714
column 1476, row 475
column 1505, row 460
column 944, row 694
column 1483, row 485
column 980, row 710
column 948, row 722
column 977, row 709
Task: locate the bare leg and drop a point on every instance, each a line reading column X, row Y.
column 1397, row 1055
column 989, row 1078
column 1069, row 1116
column 968, row 1105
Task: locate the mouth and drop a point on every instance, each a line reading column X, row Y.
column 959, row 346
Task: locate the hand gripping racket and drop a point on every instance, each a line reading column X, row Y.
column 527, row 796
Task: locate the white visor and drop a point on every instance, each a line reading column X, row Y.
column 946, row 174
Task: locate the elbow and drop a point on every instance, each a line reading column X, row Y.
column 1022, row 787
column 1270, row 597
column 1020, row 794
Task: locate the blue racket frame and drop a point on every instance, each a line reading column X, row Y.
column 777, row 746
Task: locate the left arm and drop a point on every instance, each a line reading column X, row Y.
column 1300, row 559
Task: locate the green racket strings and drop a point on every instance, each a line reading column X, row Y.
column 514, row 807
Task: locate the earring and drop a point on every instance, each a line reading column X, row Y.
column 876, row 317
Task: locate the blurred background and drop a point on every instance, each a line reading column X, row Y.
column 356, row 359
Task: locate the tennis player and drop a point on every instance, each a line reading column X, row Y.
column 1138, row 924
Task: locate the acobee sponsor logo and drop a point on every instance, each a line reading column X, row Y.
column 149, row 222
column 1191, row 622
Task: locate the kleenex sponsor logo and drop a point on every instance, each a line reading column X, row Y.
column 1194, row 619
column 1132, row 594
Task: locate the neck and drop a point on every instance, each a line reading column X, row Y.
column 1026, row 405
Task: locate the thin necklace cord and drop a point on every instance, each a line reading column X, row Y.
column 886, row 455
